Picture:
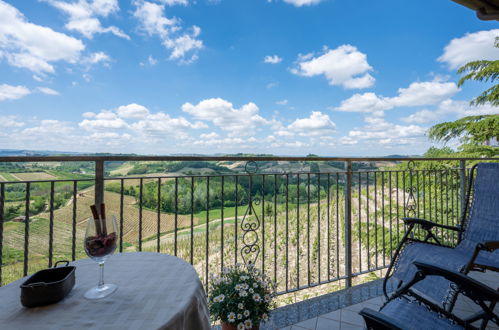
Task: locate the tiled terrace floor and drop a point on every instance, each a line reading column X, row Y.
column 348, row 317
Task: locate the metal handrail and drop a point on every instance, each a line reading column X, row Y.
column 221, row 158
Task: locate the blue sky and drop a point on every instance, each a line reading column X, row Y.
column 288, row 77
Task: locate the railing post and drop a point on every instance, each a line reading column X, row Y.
column 462, row 181
column 348, row 224
column 99, row 182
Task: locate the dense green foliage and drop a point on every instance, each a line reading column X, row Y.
column 474, row 130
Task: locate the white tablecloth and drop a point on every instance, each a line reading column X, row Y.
column 155, row 291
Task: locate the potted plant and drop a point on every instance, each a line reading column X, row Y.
column 241, row 297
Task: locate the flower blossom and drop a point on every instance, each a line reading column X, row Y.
column 248, row 324
column 231, row 317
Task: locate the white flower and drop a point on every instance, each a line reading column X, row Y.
column 248, row 324
column 265, row 317
column 255, row 285
column 251, row 290
column 256, row 297
column 267, row 298
column 238, row 287
column 240, row 306
column 222, row 297
column 246, row 313
column 239, row 316
column 231, row 317
column 216, row 299
column 243, row 293
column 240, row 326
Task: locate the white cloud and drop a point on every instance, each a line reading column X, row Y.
column 10, row 121
column 316, row 124
column 95, row 58
column 348, row 140
column 182, row 43
column 47, row 127
column 367, row 102
column 457, row 109
column 150, row 61
column 9, row 92
column 470, row 47
column 300, row 3
column 417, row 94
column 104, row 120
column 377, row 129
column 163, row 124
column 83, row 16
column 48, row 91
column 32, row 46
column 212, row 135
column 175, row 2
column 272, row 59
column 243, row 121
column 132, row 110
column 424, row 93
column 88, row 114
column 282, row 102
column 344, row 66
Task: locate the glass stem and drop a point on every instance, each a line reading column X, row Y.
column 101, row 275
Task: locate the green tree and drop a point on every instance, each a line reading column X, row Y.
column 474, row 130
column 484, row 71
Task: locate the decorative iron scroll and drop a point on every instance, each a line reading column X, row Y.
column 250, row 222
column 410, row 203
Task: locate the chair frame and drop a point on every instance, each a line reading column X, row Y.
column 476, row 291
column 427, row 226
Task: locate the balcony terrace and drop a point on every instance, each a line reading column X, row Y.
column 324, row 229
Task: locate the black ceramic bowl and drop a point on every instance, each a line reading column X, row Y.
column 48, row 286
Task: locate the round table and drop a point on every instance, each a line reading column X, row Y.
column 155, row 291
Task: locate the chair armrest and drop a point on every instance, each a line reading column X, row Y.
column 379, row 321
column 489, row 246
column 428, row 224
column 472, row 288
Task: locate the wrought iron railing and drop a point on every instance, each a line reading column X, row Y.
column 303, row 229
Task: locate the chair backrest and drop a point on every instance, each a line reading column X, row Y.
column 481, row 217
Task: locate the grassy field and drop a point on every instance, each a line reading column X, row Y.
column 7, row 177
column 34, row 176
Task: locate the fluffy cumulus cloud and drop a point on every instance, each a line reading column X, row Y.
column 471, row 47
column 379, row 131
column 9, row 92
column 83, row 16
column 300, row 3
column 132, row 110
column 243, row 121
column 183, row 43
column 417, row 94
column 135, row 120
column 455, row 109
column 272, row 59
column 34, row 47
column 103, row 121
column 344, row 66
column 317, row 124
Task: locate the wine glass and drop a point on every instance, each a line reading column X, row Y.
column 100, row 242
